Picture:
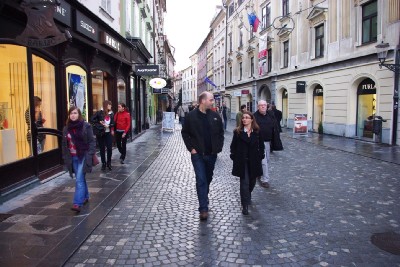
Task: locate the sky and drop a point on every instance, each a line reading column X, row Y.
column 187, row 23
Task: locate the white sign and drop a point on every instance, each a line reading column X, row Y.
column 158, row 83
column 168, row 121
column 237, row 93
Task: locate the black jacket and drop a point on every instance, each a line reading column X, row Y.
column 192, row 131
column 247, row 149
column 98, row 128
column 267, row 123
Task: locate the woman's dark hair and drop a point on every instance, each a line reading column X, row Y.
column 254, row 124
column 37, row 101
column 105, row 105
column 123, row 105
column 72, row 108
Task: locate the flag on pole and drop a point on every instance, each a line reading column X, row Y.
column 254, row 21
column 209, row 81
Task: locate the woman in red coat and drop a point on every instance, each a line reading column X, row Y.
column 122, row 126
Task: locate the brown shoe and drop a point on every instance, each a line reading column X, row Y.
column 203, row 215
column 265, row 184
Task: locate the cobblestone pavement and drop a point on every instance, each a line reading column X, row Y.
column 321, row 210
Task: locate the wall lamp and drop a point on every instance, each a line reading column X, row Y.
column 382, row 50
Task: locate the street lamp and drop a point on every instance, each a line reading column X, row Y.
column 382, row 50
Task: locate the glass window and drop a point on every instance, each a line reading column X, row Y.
column 369, row 22
column 99, row 89
column 266, row 16
column 14, row 101
column 240, row 70
column 77, row 88
column 285, row 7
column 285, row 54
column 45, row 110
column 251, row 66
column 269, row 60
column 121, row 91
column 106, row 5
column 319, row 41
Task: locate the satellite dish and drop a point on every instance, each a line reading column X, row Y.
column 158, row 83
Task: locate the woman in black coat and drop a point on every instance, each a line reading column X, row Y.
column 247, row 151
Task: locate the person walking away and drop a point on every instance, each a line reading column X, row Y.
column 122, row 121
column 103, row 121
column 239, row 115
column 278, row 116
column 224, row 115
column 266, row 121
column 203, row 135
column 78, row 148
column 182, row 112
column 247, row 152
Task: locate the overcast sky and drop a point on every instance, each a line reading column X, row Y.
column 187, row 23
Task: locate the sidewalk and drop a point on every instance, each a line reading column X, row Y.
column 37, row 228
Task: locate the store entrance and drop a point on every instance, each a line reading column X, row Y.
column 366, row 108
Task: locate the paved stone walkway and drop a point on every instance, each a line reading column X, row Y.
column 321, row 210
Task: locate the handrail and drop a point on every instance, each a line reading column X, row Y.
column 49, row 131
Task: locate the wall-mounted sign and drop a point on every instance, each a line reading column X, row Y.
column 157, row 83
column 164, row 90
column 40, row 29
column 63, row 13
column 366, row 87
column 237, row 93
column 86, row 26
column 318, row 91
column 300, row 87
column 110, row 41
column 245, row 92
column 147, row 70
column 156, row 91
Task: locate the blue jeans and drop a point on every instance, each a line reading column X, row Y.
column 225, row 123
column 81, row 189
column 204, row 168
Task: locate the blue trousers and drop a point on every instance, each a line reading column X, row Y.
column 81, row 188
column 203, row 166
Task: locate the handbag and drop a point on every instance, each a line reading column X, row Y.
column 95, row 160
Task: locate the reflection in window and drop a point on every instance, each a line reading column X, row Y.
column 121, row 91
column 45, row 110
column 99, row 89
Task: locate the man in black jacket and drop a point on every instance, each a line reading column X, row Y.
column 266, row 120
column 203, row 135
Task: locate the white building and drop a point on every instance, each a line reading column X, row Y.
column 107, row 10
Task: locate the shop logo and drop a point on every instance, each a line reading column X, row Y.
column 40, row 29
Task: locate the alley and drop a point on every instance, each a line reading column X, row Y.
column 323, row 206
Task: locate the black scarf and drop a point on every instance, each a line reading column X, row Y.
column 75, row 129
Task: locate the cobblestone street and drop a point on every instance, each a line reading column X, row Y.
column 322, row 208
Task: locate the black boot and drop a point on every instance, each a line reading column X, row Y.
column 103, row 167
column 245, row 210
column 109, row 166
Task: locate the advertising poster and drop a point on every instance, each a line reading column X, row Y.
column 168, row 121
column 300, row 124
column 77, row 92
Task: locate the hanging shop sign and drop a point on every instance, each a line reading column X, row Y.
column 86, row 26
column 40, row 30
column 318, row 91
column 110, row 42
column 245, row 92
column 237, row 93
column 158, row 83
column 147, row 70
column 156, row 90
column 63, row 13
column 300, row 87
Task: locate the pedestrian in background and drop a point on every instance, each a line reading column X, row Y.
column 278, row 116
column 182, row 112
column 247, row 151
column 78, row 148
column 266, row 121
column 103, row 121
column 122, row 121
column 203, row 135
column 224, row 116
column 243, row 108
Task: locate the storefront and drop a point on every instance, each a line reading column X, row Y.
column 78, row 60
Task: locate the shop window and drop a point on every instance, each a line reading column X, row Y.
column 99, row 89
column 366, row 108
column 45, row 111
column 14, row 100
column 121, row 91
column 77, row 88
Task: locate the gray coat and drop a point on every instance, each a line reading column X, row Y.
column 89, row 138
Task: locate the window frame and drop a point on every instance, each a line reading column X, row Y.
column 269, row 60
column 369, row 18
column 319, row 39
column 285, row 58
column 285, row 7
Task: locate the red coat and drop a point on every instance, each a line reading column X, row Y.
column 122, row 121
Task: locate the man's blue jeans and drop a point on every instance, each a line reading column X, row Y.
column 203, row 166
column 81, row 189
